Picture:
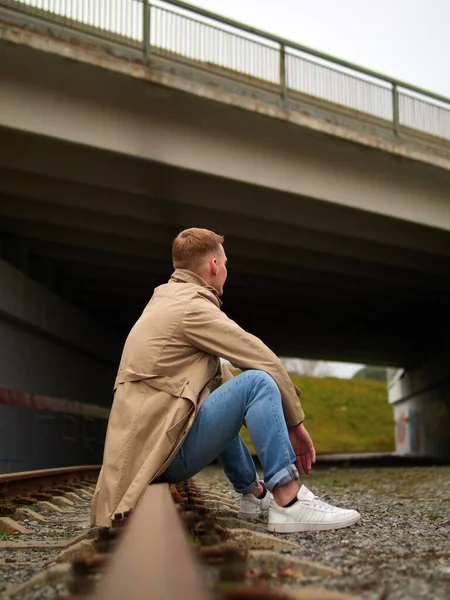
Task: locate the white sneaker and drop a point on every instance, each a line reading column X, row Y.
column 251, row 507
column 309, row 514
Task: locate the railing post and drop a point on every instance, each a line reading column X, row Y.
column 146, row 28
column 395, row 109
column 283, row 84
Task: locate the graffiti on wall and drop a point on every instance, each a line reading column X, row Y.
column 408, row 431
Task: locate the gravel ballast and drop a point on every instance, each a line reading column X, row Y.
column 400, row 549
column 26, row 556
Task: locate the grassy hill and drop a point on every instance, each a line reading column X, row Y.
column 345, row 415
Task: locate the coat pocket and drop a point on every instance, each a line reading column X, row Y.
column 178, row 429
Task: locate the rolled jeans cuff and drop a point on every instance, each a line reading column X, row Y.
column 249, row 489
column 286, row 475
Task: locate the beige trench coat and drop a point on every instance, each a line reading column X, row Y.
column 169, row 366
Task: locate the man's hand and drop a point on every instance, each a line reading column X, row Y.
column 305, row 454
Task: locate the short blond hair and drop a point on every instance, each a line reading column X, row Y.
column 191, row 245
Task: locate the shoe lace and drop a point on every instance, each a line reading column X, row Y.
column 316, row 503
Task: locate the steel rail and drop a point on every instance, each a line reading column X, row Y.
column 153, row 558
column 27, row 482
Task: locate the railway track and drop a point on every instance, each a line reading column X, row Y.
column 43, row 527
column 29, row 487
column 182, row 542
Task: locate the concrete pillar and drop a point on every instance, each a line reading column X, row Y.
column 421, row 403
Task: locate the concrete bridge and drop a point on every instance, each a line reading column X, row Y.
column 331, row 184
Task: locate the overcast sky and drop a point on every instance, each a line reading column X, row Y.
column 406, row 39
column 344, row 370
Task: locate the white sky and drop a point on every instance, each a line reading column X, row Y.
column 405, row 39
column 336, row 369
column 344, row 370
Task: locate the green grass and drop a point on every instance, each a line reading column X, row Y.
column 30, row 507
column 345, row 415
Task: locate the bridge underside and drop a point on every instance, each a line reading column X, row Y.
column 336, row 250
column 96, row 228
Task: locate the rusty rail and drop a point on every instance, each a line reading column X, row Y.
column 170, row 547
column 29, row 482
column 153, row 559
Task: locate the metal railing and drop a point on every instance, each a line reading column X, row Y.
column 181, row 32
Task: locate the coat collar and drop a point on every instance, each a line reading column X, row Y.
column 185, row 276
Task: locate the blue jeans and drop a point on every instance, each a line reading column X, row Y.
column 252, row 399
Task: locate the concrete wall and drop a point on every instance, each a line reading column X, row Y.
column 50, row 348
column 33, row 439
column 421, row 402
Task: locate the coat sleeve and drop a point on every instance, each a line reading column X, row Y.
column 210, row 330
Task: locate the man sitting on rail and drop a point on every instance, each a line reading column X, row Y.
column 176, row 408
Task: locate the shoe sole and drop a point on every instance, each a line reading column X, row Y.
column 295, row 527
column 262, row 515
